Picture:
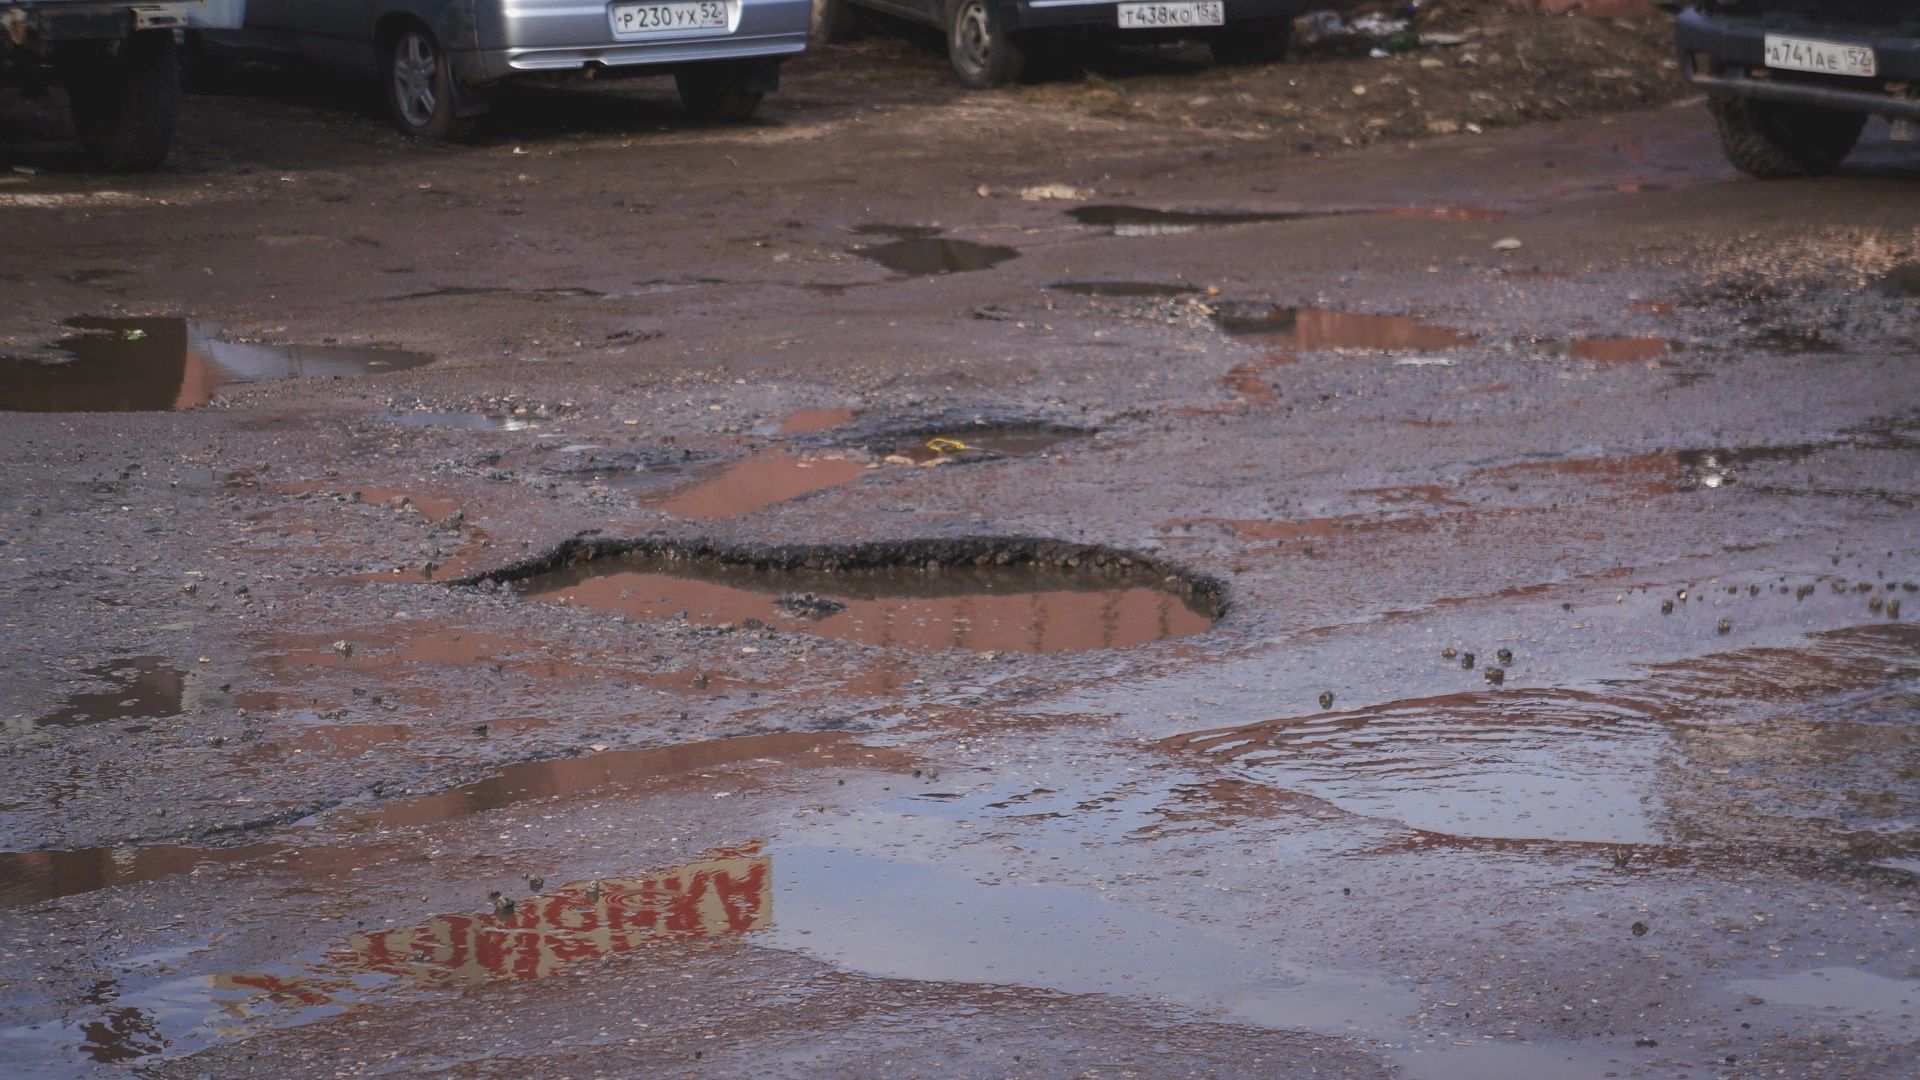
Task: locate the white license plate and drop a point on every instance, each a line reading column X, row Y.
column 643, row 20
column 1825, row 57
column 1172, row 15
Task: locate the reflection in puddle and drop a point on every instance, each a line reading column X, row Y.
column 1146, row 221
column 726, row 892
column 1123, row 289
column 1861, row 995
column 28, row 877
column 1309, row 329
column 766, row 478
column 1718, row 468
column 924, row 256
column 159, row 364
column 143, row 687
column 1016, row 609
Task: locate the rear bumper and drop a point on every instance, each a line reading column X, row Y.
column 1099, row 16
column 535, row 36
column 1726, row 54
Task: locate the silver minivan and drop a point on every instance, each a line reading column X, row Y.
column 435, row 58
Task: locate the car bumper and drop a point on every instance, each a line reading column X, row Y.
column 1726, row 54
column 532, row 36
column 1100, row 15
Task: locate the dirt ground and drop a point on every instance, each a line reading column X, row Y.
column 1159, row 571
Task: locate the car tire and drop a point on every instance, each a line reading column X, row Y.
column 419, row 86
column 1775, row 140
column 983, row 53
column 126, row 101
column 716, row 92
column 1251, row 43
column 832, row 21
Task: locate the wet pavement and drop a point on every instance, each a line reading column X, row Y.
column 1312, row 636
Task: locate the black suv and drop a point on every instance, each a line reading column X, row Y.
column 988, row 40
column 1792, row 82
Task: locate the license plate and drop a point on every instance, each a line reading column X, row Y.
column 1824, row 57
column 1172, row 15
column 643, row 20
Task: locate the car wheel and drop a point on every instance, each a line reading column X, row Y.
column 126, row 101
column 1251, row 43
column 419, row 86
column 1772, row 140
column 832, row 21
column 716, row 92
column 982, row 52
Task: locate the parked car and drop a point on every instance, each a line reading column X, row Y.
column 989, row 40
column 117, row 61
column 436, row 58
column 1792, row 82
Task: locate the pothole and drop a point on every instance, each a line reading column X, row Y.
column 812, row 421
column 1146, row 221
column 138, row 688
column 1609, row 350
column 895, row 232
column 162, row 364
column 968, row 445
column 451, row 421
column 760, row 481
column 1131, row 290
column 925, row 256
column 983, row 594
column 1307, row 329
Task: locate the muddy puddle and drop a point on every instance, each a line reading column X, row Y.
column 966, row 445
column 1609, row 350
column 983, row 608
column 812, row 421
column 451, row 421
column 762, row 480
column 927, row 256
column 136, row 688
column 1311, row 329
column 1125, row 290
column 1147, row 221
column 162, row 364
column 28, row 877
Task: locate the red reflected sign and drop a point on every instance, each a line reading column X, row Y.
column 729, row 891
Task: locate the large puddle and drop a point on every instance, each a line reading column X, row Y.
column 1309, row 329
column 161, row 364
column 925, row 256
column 1024, row 608
column 28, row 877
column 136, row 688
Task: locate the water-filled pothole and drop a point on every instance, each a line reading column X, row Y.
column 966, row 445
column 984, row 595
column 922, row 256
column 160, row 364
column 138, row 688
column 1307, row 329
column 760, row 481
column 1147, row 221
column 452, row 421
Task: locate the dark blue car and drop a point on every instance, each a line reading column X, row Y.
column 1792, row 82
column 989, row 40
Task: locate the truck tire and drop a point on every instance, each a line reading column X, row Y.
column 831, row 21
column 716, row 92
column 983, row 53
column 1251, row 43
column 419, row 86
column 126, row 100
column 1774, row 140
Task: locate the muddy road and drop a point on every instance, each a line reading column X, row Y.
column 947, row 585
